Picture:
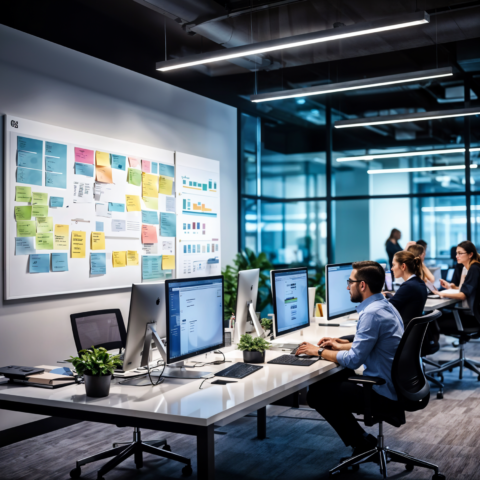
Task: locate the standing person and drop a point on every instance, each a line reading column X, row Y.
column 419, row 251
column 392, row 246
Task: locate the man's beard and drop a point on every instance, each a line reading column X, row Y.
column 355, row 297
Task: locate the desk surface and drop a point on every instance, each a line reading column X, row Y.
column 437, row 303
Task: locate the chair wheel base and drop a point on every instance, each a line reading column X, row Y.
column 409, row 467
column 439, row 476
column 187, row 470
column 76, row 472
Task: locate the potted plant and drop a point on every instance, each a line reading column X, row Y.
column 253, row 348
column 96, row 366
column 267, row 324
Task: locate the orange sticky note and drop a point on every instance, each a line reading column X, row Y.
column 104, row 174
column 149, row 234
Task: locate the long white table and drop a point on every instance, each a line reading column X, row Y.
column 178, row 405
column 438, row 303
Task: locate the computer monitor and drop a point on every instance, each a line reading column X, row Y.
column 338, row 296
column 290, row 300
column 194, row 313
column 388, row 281
column 450, row 273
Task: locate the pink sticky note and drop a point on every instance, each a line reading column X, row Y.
column 146, row 166
column 83, row 155
column 149, row 234
column 134, row 162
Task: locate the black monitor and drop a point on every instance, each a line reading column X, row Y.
column 338, row 296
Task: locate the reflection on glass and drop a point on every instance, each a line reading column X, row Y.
column 248, row 149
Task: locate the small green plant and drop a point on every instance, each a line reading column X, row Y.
column 267, row 324
column 249, row 344
column 96, row 361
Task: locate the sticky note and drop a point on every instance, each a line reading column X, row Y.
column 29, row 176
column 103, row 174
column 134, row 177
column 119, row 162
column 44, row 241
column 60, row 237
column 24, row 246
column 167, row 170
column 132, row 258
column 98, row 264
column 146, row 166
column 82, row 155
column 40, row 210
column 151, row 267
column 154, row 168
column 84, row 169
column 57, row 165
column 98, row 241
column 133, row 162
column 165, row 185
column 78, row 244
column 23, row 213
column 118, row 225
column 30, row 144
column 151, row 202
column 101, row 210
column 149, row 234
column 116, row 207
column 39, row 263
column 59, row 262
column 168, row 262
column 44, row 224
column 149, row 185
column 56, row 150
column 170, row 204
column 26, row 228
column 102, row 158
column 55, row 180
column 23, row 194
column 29, row 160
column 99, row 226
column 119, row 259
column 168, row 224
column 150, row 217
column 133, row 203
column 39, row 198
column 56, row 202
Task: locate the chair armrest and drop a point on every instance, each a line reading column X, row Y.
column 458, row 321
column 366, row 380
column 368, row 383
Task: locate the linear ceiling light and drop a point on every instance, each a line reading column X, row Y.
column 354, row 85
column 407, row 117
column 418, row 153
column 364, row 28
column 420, row 169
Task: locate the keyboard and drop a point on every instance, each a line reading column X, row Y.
column 293, row 360
column 238, row 370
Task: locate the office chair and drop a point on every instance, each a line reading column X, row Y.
column 413, row 392
column 105, row 328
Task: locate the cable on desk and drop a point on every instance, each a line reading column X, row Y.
column 160, row 378
column 216, row 362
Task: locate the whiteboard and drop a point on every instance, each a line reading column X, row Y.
column 19, row 283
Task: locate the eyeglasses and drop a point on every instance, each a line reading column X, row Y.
column 350, row 281
column 461, row 253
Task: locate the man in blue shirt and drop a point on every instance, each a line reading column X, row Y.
column 379, row 331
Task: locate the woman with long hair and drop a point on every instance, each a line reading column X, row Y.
column 419, row 251
column 391, row 245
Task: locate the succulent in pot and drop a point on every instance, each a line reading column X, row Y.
column 253, row 348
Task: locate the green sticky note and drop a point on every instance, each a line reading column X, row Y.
column 23, row 213
column 44, row 224
column 134, row 176
column 44, row 241
column 40, row 198
column 26, row 228
column 40, row 210
column 23, row 194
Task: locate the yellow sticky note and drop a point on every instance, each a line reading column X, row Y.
column 119, row 259
column 78, row 244
column 39, row 210
column 132, row 258
column 150, row 185
column 102, row 158
column 168, row 262
column 151, row 202
column 60, row 237
column 133, row 203
column 44, row 224
column 40, row 198
column 165, row 185
column 97, row 241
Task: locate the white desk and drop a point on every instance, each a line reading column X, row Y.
column 438, row 303
column 178, row 405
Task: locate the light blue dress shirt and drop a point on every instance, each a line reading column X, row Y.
column 379, row 331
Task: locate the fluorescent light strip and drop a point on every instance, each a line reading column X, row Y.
column 354, row 85
column 366, row 28
column 420, row 169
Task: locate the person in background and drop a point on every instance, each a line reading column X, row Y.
column 419, row 251
column 423, row 243
column 391, row 245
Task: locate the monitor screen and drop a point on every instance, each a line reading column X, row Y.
column 290, row 300
column 338, row 296
column 388, row 281
column 194, row 317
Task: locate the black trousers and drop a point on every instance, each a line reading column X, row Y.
column 336, row 399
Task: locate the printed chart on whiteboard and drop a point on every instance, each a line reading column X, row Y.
column 198, row 216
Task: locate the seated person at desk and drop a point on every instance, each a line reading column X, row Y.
column 379, row 331
column 419, row 251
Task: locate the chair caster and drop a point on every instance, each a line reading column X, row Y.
column 440, row 395
column 187, row 470
column 409, row 467
column 168, row 448
column 76, row 472
column 439, row 476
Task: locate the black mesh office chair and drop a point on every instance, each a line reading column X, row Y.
column 413, row 392
column 105, row 328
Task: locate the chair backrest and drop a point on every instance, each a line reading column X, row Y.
column 413, row 389
column 102, row 328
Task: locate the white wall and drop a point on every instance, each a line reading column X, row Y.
column 48, row 83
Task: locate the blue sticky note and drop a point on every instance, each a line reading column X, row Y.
column 116, row 207
column 28, row 176
column 83, row 169
column 118, row 161
column 39, row 263
column 152, row 267
column 56, row 150
column 58, row 165
column 168, row 224
column 98, row 263
column 167, row 170
column 150, row 217
column 24, row 245
column 154, row 168
column 59, row 262
column 55, row 180
column 99, row 226
column 56, row 201
column 29, row 160
column 30, row 145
